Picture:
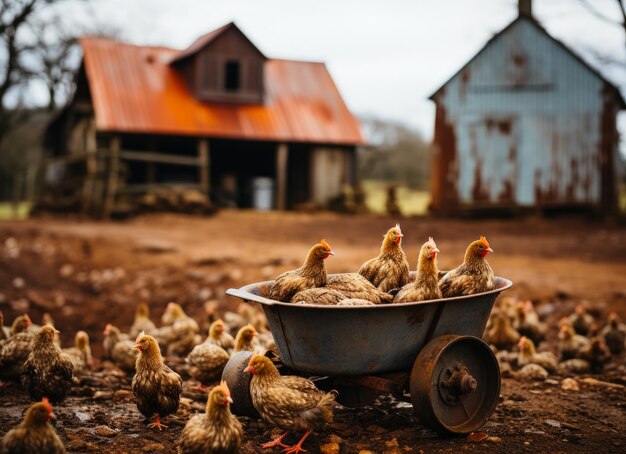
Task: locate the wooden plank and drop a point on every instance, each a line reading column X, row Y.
column 282, row 155
column 149, row 156
column 112, row 180
column 139, row 188
column 205, row 165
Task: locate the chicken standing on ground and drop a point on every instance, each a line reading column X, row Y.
column 581, row 320
column 527, row 323
column 290, row 402
column 527, row 355
column 14, row 352
column 244, row 341
column 502, row 335
column 34, row 434
column 48, row 372
column 311, row 274
column 181, row 330
column 112, row 335
column 597, row 354
column 614, row 334
column 142, row 322
column 219, row 336
column 355, row 286
column 216, row 431
column 206, row 363
column 426, row 282
column 318, row 295
column 390, row 269
column 156, row 386
column 80, row 353
column 474, row 275
column 123, row 354
column 570, row 343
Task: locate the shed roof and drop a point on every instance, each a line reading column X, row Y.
column 611, row 86
column 135, row 89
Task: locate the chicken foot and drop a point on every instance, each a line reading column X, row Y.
column 157, row 423
column 277, row 442
column 298, row 447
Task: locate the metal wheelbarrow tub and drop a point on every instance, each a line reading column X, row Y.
column 364, row 340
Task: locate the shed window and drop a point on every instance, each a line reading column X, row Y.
column 232, row 75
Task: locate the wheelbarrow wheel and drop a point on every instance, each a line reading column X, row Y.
column 455, row 384
column 238, row 382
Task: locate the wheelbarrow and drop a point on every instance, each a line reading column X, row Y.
column 428, row 353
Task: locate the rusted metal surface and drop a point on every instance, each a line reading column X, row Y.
column 525, row 123
column 455, row 383
column 366, row 340
column 135, row 89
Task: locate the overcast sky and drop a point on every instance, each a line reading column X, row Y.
column 386, row 56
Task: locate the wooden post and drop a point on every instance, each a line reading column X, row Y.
column 205, row 166
column 112, row 181
column 282, row 155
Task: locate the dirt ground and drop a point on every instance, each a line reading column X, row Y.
column 87, row 274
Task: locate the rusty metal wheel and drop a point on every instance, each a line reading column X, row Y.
column 239, row 384
column 455, row 384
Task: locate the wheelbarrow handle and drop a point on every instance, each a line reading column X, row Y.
column 246, row 296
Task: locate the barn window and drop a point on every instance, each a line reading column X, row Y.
column 232, row 75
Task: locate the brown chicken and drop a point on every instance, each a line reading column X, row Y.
column 216, row 431
column 581, row 320
column 390, row 269
column 112, row 335
column 528, row 355
column 290, row 402
column 426, row 285
column 48, row 372
column 614, row 334
column 80, row 353
column 156, row 386
column 46, row 319
column 355, row 302
column 14, row 352
column 353, row 285
column 502, row 335
column 179, row 331
column 244, row 341
column 5, row 331
column 34, row 434
column 206, row 363
column 311, row 274
column 570, row 343
column 219, row 336
column 142, row 322
column 474, row 275
column 319, row 295
column 526, row 322
column 597, row 354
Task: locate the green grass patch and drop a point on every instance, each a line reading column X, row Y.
column 9, row 211
column 412, row 201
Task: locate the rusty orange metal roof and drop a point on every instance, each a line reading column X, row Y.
column 134, row 89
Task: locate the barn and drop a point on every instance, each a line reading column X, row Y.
column 218, row 118
column 526, row 124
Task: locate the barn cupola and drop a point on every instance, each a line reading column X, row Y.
column 525, row 8
column 223, row 66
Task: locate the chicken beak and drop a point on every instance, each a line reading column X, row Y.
column 249, row 369
column 138, row 347
column 229, row 399
column 52, row 416
column 331, row 253
column 489, row 249
column 57, row 331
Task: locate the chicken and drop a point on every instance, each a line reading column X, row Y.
column 570, row 343
column 355, row 302
column 318, row 295
column 112, row 335
column 14, row 352
column 614, row 334
column 426, row 282
column 527, row 355
column 244, row 341
column 5, row 332
column 527, row 323
column 181, row 338
column 216, row 431
column 390, row 269
column 80, row 353
column 353, row 285
column 34, row 434
column 596, row 353
column 474, row 275
column 46, row 319
column 48, row 372
column 142, row 322
column 156, row 386
column 206, row 362
column 581, row 320
column 219, row 336
column 290, row 402
column 502, row 335
column 311, row 274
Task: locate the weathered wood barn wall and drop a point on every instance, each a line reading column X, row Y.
column 526, row 123
column 219, row 117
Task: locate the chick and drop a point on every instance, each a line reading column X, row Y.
column 474, row 275
column 48, row 372
column 156, row 386
column 34, row 434
column 570, row 343
column 290, row 402
column 80, row 353
column 112, row 335
column 181, row 338
column 206, row 363
column 216, row 431
column 581, row 320
column 426, row 285
column 244, row 341
column 614, row 334
column 353, row 285
column 318, row 295
column 502, row 335
column 219, row 336
column 527, row 355
column 390, row 269
column 142, row 322
column 14, row 352
column 597, row 354
column 311, row 274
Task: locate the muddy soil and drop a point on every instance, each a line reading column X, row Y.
column 87, row 274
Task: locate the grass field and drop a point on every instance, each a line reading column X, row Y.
column 7, row 210
column 412, row 202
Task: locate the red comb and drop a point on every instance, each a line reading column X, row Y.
column 46, row 404
column 484, row 241
column 325, row 244
column 225, row 386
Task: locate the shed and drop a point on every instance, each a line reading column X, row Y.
column 526, row 124
column 219, row 117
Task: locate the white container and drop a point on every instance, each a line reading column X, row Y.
column 263, row 193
